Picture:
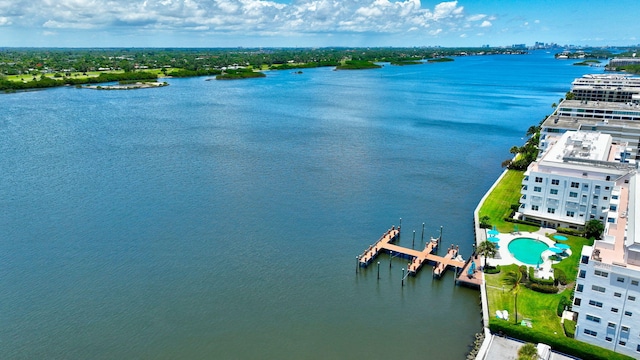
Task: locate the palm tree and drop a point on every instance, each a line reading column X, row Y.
column 487, row 248
column 513, row 279
column 532, row 130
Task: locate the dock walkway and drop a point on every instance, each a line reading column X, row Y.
column 417, row 258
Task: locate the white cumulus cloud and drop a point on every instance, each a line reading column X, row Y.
column 242, row 17
column 476, row 17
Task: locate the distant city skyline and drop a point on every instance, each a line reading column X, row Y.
column 314, row 23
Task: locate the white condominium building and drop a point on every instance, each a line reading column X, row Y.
column 620, row 120
column 577, row 179
column 607, row 88
column 607, row 293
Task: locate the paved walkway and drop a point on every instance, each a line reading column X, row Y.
column 501, row 348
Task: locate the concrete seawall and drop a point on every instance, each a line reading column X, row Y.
column 479, row 237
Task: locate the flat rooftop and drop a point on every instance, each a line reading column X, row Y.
column 598, row 105
column 580, row 145
column 576, row 123
column 611, row 249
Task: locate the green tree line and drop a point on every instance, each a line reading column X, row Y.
column 47, row 82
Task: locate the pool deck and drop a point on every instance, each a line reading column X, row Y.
column 506, row 258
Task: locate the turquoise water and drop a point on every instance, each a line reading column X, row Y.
column 214, row 219
column 527, row 250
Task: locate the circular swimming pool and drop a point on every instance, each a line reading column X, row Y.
column 527, row 250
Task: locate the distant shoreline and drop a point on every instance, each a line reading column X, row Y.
column 131, row 86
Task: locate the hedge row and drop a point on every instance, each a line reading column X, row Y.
column 557, row 342
column 539, row 281
column 564, row 302
column 560, row 276
column 568, row 231
column 516, row 221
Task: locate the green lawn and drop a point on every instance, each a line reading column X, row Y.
column 538, row 307
column 498, row 204
column 570, row 264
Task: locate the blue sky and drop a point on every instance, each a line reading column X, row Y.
column 315, row 23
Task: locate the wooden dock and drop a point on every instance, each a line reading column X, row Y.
column 417, row 258
column 471, row 275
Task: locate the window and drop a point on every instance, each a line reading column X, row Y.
column 537, row 189
column 553, row 191
column 535, row 207
column 538, row 179
column 608, row 339
column 582, row 274
column 585, row 186
column 590, row 332
column 571, row 213
column 575, row 185
column 620, row 279
column 601, row 273
column 577, row 301
column 573, row 194
column 617, row 294
column 605, row 198
column 607, row 188
column 631, row 298
column 593, row 318
column 638, row 348
column 614, row 310
column 595, row 303
column 555, row 182
column 585, row 260
column 551, row 210
column 611, row 325
column 628, row 313
column 622, row 343
column 579, row 288
column 634, row 282
column 597, row 288
column 624, row 328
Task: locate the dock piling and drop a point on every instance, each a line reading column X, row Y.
column 413, row 243
column 422, row 237
column 417, row 257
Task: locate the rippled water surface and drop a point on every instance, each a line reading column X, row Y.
column 221, row 219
